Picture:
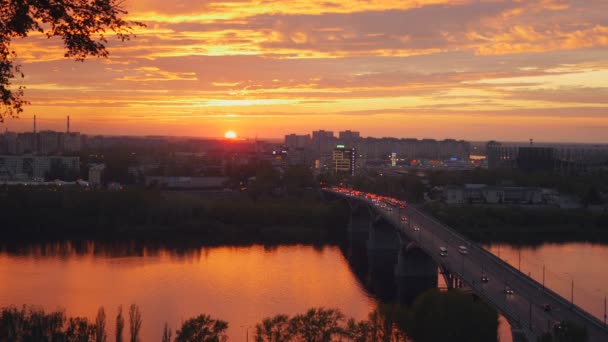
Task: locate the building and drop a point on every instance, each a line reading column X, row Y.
column 200, row 183
column 348, row 137
column 558, row 159
column 72, row 142
column 96, row 174
column 28, row 167
column 49, row 142
column 295, row 141
column 323, row 142
column 489, row 194
column 344, row 160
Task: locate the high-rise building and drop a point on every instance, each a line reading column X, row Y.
column 393, row 159
column 295, row 141
column 323, row 143
column 344, row 160
column 49, row 142
column 348, row 135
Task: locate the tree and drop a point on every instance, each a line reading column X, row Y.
column 79, row 330
column 100, row 326
column 134, row 322
column 317, row 325
column 275, row 329
column 202, row 328
column 82, row 24
column 451, row 316
column 120, row 324
column 166, row 333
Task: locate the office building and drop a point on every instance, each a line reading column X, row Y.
column 344, row 160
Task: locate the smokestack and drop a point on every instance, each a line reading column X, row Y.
column 34, row 123
column 68, row 124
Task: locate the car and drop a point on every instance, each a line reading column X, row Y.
column 443, row 251
column 403, row 218
column 558, row 326
column 485, row 279
column 509, row 290
column 463, row 250
column 547, row 307
column 416, row 228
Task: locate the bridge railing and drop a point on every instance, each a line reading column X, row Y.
column 513, row 316
column 555, row 296
column 514, row 272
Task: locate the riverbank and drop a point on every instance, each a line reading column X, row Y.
column 522, row 225
column 151, row 214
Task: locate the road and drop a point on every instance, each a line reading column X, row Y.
column 523, row 308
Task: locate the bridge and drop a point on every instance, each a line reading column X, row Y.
column 424, row 246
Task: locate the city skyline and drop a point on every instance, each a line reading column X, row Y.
column 504, row 70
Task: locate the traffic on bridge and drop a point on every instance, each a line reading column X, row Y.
column 531, row 308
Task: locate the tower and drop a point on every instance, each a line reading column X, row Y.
column 68, row 125
column 34, row 123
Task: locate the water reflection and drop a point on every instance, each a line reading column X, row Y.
column 239, row 284
column 173, row 281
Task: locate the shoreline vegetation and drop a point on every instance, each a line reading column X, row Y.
column 518, row 225
column 434, row 316
column 150, row 214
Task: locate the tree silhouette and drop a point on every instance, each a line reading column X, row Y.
column 120, row 324
column 166, row 333
column 451, row 316
column 274, row 329
column 202, row 328
column 79, row 330
column 100, row 326
column 317, row 325
column 82, row 24
column 134, row 322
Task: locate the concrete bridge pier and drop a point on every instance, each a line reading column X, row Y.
column 415, row 272
column 382, row 247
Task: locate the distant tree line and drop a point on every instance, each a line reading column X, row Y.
column 522, row 225
column 61, row 213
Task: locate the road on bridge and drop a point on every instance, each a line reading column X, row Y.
column 526, row 307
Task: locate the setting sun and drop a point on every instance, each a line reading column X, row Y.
column 230, row 135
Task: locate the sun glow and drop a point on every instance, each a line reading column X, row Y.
column 230, row 135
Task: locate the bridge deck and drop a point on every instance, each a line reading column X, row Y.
column 524, row 308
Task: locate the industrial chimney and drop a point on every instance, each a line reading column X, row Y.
column 68, row 124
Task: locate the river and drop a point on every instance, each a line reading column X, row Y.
column 241, row 285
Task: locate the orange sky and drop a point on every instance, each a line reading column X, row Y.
column 478, row 70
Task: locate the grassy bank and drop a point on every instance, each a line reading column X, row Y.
column 522, row 225
column 147, row 214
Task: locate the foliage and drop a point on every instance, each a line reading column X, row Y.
column 137, row 213
column 317, row 325
column 82, row 24
column 33, row 324
column 435, row 316
column 273, row 329
column 100, row 326
column 519, row 224
column 166, row 333
column 202, row 328
column 453, row 316
column 134, row 322
column 120, row 325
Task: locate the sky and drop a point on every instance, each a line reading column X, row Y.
column 465, row 69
